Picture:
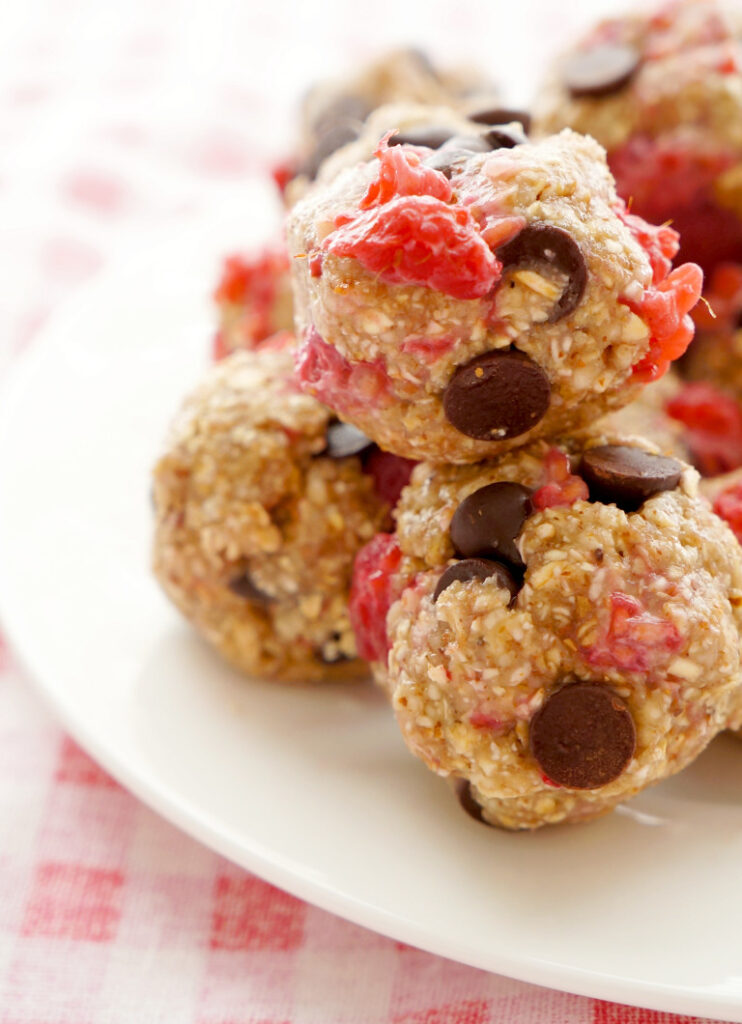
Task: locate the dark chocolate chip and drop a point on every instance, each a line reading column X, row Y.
column 343, row 440
column 326, row 144
column 601, row 70
column 539, row 244
column 626, row 476
column 477, row 569
column 497, row 395
column 487, row 522
column 432, row 136
column 456, row 152
column 504, row 137
column 584, row 736
column 243, row 586
column 502, row 115
column 468, row 803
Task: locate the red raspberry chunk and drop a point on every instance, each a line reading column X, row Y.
column 635, row 640
column 661, row 244
column 420, row 240
column 728, row 506
column 346, row 387
column 665, row 308
column 562, row 487
column 714, row 426
column 372, row 594
column 250, row 282
column 401, row 173
column 391, row 474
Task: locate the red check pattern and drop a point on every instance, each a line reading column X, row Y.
column 115, row 120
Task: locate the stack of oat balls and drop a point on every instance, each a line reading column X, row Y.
column 438, row 436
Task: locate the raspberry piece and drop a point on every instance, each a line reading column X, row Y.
column 635, row 640
column 661, row 244
column 562, row 488
column 483, row 720
column 713, row 422
column 372, row 594
column 391, row 474
column 728, row 506
column 721, row 311
column 420, row 240
column 346, row 387
column 401, row 173
column 284, row 172
column 251, row 283
column 665, row 308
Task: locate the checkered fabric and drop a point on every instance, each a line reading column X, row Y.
column 117, row 119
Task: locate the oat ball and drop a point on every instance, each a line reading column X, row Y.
column 648, row 417
column 455, row 303
column 333, row 112
column 563, row 625
column 253, row 299
column 661, row 89
column 262, row 500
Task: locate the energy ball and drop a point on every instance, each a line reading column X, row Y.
column 648, row 417
column 253, row 297
column 562, row 626
column 662, row 91
column 333, row 112
column 262, row 500
column 457, row 302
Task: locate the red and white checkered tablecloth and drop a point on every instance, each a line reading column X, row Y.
column 115, row 121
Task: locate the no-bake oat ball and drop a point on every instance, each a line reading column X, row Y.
column 262, row 500
column 334, row 111
column 253, row 299
column 662, row 91
column 563, row 625
column 456, row 302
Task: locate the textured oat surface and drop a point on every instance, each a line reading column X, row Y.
column 686, row 92
column 647, row 603
column 242, row 488
column 587, row 355
column 646, row 417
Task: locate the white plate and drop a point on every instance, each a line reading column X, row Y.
column 311, row 787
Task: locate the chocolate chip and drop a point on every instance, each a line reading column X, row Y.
column 584, row 736
column 504, row 137
column 336, row 124
column 497, row 395
column 456, row 152
column 243, row 586
column 468, row 803
column 477, row 569
column 344, row 440
column 539, row 244
column 431, row 136
column 326, row 144
column 502, row 115
column 626, row 476
column 487, row 522
column 601, row 70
